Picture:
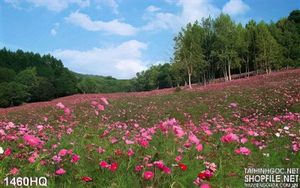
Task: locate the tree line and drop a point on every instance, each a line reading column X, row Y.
column 30, row 77
column 219, row 48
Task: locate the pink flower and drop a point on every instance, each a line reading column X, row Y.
column 243, row 151
column 60, row 171
column 138, row 168
column 244, row 140
column 56, row 158
column 193, row 139
column 113, row 167
column 144, row 143
column 178, row 158
column 75, row 158
column 205, row 185
column 31, row 159
column 199, row 147
column 86, row 179
column 94, row 103
column 295, row 147
column 208, row 132
column 104, row 164
column 60, row 105
column 276, row 119
column 69, row 130
column 101, row 150
column 14, row 171
column 128, row 142
column 100, row 107
column 63, row 152
column 148, row 175
column 130, row 152
column 104, row 100
column 67, row 111
column 159, row 164
column 32, row 141
column 7, row 152
column 229, row 138
column 166, row 170
column 233, row 105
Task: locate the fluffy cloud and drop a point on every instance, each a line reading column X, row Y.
column 152, row 8
column 192, row 10
column 111, row 27
column 235, row 7
column 122, row 61
column 53, row 5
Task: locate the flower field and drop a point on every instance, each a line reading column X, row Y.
column 203, row 137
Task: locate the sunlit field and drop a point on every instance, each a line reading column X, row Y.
column 203, row 136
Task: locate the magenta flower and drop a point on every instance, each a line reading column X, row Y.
column 199, row 147
column 63, row 152
column 130, row 152
column 229, row 138
column 104, row 164
column 75, row 158
column 14, row 171
column 33, row 141
column 243, row 151
column 148, row 175
column 60, row 171
column 138, row 168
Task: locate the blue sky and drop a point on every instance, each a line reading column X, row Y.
column 116, row 37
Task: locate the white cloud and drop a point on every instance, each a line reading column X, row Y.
column 53, row 31
column 122, row 61
column 109, row 3
column 152, row 8
column 111, row 27
column 235, row 7
column 53, row 5
column 192, row 10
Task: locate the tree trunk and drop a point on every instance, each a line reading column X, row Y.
column 190, row 81
column 225, row 73
column 229, row 72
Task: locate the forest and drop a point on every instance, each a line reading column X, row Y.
column 205, row 50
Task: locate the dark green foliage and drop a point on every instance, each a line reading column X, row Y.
column 28, row 77
column 13, row 93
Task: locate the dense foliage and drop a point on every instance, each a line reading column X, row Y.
column 29, row 77
column 215, row 48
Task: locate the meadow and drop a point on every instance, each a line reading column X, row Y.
column 200, row 137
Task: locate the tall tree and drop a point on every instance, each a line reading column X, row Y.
column 188, row 49
column 269, row 54
column 225, row 44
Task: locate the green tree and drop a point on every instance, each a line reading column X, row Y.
column 269, row 53
column 188, row 49
column 225, row 45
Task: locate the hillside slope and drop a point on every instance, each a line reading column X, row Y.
column 161, row 138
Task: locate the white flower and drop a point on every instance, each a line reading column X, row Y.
column 286, row 128
column 266, row 154
column 277, row 134
column 1, row 150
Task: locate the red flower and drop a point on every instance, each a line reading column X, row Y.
column 113, row 167
column 183, row 167
column 104, row 164
column 7, row 152
column 86, row 179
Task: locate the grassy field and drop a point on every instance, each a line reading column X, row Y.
column 164, row 138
